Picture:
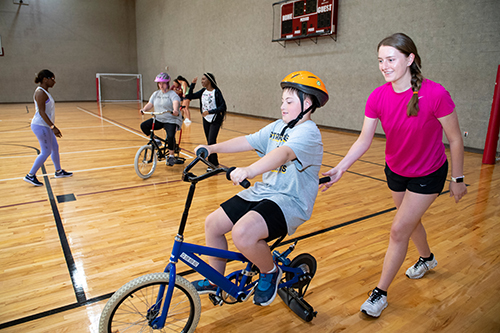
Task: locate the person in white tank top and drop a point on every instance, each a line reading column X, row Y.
column 45, row 129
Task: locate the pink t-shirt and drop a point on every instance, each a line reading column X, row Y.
column 414, row 146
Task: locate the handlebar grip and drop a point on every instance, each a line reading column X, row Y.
column 202, row 152
column 244, row 183
column 324, row 180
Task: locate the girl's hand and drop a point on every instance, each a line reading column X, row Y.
column 195, row 80
column 204, row 113
column 57, row 132
column 335, row 176
column 457, row 190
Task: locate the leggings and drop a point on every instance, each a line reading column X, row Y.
column 49, row 146
column 211, row 133
column 169, row 128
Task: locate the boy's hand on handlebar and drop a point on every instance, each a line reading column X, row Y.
column 238, row 175
column 205, row 147
column 335, row 176
column 175, row 112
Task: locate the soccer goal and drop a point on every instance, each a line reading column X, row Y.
column 115, row 87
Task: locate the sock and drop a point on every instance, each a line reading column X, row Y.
column 29, row 174
column 272, row 270
column 429, row 258
column 380, row 291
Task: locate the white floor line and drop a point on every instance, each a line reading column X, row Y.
column 126, row 129
column 111, row 122
column 63, row 128
column 76, row 171
column 73, row 152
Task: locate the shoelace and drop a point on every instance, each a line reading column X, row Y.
column 420, row 262
column 374, row 297
column 265, row 281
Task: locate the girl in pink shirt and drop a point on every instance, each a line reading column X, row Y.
column 413, row 112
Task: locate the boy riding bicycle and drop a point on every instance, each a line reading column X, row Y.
column 291, row 153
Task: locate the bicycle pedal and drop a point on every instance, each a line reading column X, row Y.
column 216, row 300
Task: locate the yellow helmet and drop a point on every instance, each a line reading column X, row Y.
column 308, row 83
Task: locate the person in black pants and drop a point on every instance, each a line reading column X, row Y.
column 212, row 108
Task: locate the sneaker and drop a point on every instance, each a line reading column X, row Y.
column 32, row 180
column 187, row 121
column 204, row 287
column 420, row 268
column 63, row 174
column 374, row 305
column 171, row 160
column 267, row 287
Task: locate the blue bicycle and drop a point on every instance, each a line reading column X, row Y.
column 167, row 302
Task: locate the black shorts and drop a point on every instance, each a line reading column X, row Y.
column 430, row 184
column 236, row 207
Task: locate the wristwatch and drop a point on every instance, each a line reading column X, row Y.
column 457, row 179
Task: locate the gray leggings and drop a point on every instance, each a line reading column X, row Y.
column 49, row 146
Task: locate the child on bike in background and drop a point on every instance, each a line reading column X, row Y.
column 291, row 153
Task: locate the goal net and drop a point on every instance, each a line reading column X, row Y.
column 114, row 87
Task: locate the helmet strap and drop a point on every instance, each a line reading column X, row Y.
column 302, row 113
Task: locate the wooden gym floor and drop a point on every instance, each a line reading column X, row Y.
column 67, row 246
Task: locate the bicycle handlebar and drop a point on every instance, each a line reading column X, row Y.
column 155, row 112
column 202, row 154
column 244, row 183
column 324, row 180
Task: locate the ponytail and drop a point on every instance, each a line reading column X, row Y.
column 416, row 84
column 44, row 73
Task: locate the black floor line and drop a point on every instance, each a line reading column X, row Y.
column 68, row 256
column 84, row 302
column 70, row 262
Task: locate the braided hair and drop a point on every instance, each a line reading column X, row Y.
column 405, row 45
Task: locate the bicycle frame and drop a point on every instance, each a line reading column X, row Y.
column 152, row 138
column 187, row 253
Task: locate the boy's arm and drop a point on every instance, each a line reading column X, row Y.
column 271, row 161
column 236, row 145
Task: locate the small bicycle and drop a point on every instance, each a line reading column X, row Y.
column 156, row 150
column 168, row 302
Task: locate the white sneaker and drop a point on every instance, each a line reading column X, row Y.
column 187, row 121
column 420, row 268
column 374, row 305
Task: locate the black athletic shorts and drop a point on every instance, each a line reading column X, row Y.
column 430, row 184
column 236, row 207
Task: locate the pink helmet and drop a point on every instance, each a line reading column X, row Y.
column 162, row 77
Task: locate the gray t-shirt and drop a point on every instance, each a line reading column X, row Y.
column 294, row 185
column 164, row 101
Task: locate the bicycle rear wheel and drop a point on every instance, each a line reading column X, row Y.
column 128, row 308
column 145, row 161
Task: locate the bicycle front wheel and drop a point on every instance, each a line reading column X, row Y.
column 145, row 161
column 129, row 309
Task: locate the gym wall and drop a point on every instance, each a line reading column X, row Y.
column 458, row 41
column 74, row 39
